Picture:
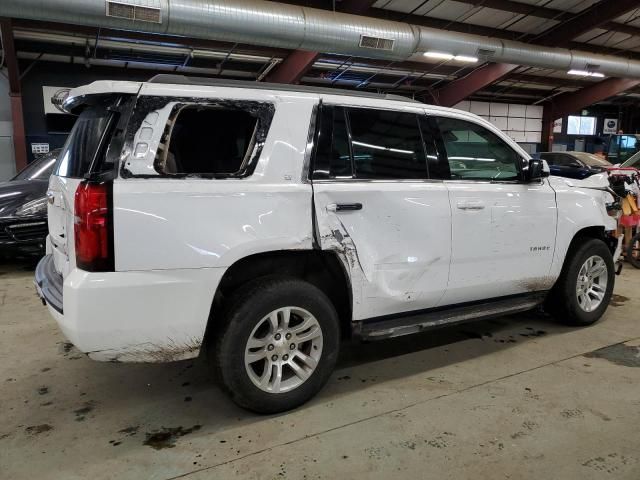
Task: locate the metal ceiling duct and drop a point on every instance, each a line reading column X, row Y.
column 281, row 25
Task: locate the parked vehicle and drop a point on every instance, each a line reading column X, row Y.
column 574, row 164
column 622, row 146
column 23, row 208
column 261, row 223
column 632, row 162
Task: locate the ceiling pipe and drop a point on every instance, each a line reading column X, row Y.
column 281, row 25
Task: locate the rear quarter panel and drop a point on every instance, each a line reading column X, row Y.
column 171, row 223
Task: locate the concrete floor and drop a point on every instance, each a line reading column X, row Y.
column 517, row 397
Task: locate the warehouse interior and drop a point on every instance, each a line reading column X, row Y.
column 518, row 396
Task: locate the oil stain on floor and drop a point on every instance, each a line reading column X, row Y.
column 620, row 354
column 618, row 300
column 166, row 437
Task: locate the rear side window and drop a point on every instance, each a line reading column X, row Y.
column 386, row 144
column 86, row 142
column 476, row 153
column 208, row 140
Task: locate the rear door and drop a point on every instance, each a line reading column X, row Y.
column 503, row 229
column 375, row 204
column 83, row 154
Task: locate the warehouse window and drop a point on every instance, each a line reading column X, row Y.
column 208, row 140
column 581, row 125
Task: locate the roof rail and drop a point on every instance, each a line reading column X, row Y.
column 216, row 82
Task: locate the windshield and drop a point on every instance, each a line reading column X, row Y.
column 81, row 149
column 39, row 169
column 591, row 159
column 634, row 161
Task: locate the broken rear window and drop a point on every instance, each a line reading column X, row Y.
column 210, row 140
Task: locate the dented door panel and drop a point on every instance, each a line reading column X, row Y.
column 396, row 247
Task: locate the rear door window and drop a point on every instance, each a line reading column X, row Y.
column 386, row 145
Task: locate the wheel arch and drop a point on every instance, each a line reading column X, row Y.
column 321, row 268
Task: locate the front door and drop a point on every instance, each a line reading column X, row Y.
column 503, row 229
column 377, row 207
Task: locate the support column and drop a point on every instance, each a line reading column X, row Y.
column 547, row 128
column 17, row 117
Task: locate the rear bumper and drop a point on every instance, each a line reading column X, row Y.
column 49, row 283
column 149, row 316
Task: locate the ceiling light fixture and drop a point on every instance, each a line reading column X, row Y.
column 439, row 55
column 465, row 58
column 584, row 73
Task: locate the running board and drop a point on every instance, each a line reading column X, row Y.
column 395, row 326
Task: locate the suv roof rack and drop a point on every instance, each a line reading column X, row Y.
column 215, row 82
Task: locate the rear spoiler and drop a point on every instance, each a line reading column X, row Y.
column 75, row 99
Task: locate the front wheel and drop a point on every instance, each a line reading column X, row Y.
column 583, row 291
column 279, row 344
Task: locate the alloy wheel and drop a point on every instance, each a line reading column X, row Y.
column 283, row 350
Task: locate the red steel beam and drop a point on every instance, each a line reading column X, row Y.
column 596, row 16
column 568, row 103
column 456, row 91
column 17, row 117
column 293, row 67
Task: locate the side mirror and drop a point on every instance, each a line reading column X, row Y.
column 535, row 171
column 575, row 165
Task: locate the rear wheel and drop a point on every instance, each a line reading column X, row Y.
column 583, row 291
column 633, row 251
column 279, row 344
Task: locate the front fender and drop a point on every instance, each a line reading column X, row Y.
column 581, row 204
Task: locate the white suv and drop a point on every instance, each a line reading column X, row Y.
column 261, row 223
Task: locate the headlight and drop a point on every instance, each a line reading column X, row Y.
column 34, row 206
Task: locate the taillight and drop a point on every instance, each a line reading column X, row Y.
column 93, row 227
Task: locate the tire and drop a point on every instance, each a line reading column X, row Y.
column 251, row 313
column 569, row 301
column 633, row 251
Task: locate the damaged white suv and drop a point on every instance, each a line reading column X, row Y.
column 262, row 223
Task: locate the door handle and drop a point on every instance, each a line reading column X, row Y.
column 470, row 205
column 343, row 207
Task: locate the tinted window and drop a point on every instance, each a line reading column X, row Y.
column 39, row 169
column 386, row 145
column 565, row 160
column 85, row 143
column 591, row 159
column 558, row 159
column 332, row 157
column 209, row 140
column 549, row 157
column 475, row 153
